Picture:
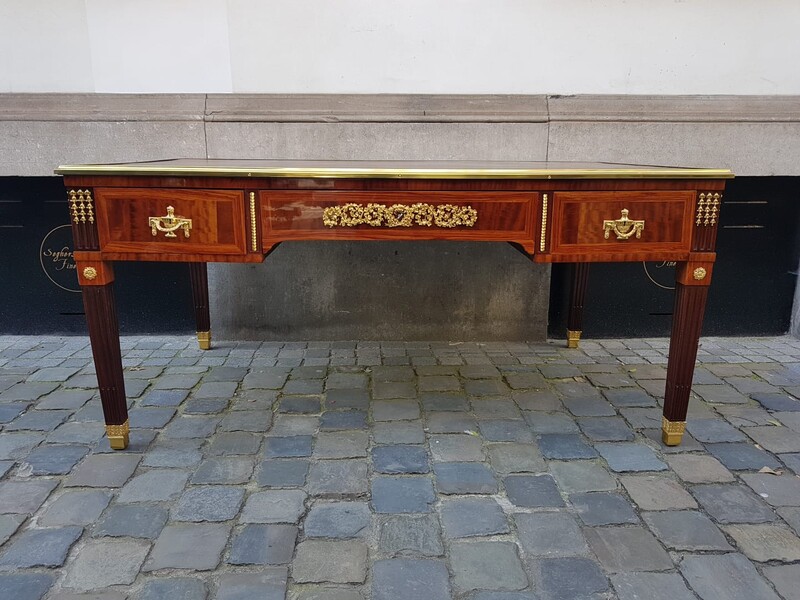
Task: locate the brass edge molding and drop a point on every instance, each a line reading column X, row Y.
column 399, row 215
column 253, row 230
column 573, row 338
column 543, row 237
column 708, row 206
column 204, row 340
column 672, row 431
column 400, row 173
column 118, row 435
column 699, row 273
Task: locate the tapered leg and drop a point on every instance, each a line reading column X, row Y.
column 577, row 297
column 691, row 293
column 198, row 273
column 101, row 316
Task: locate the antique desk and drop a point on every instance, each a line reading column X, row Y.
column 200, row 211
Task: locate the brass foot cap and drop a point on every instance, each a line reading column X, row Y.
column 204, row 340
column 573, row 337
column 672, row 431
column 118, row 435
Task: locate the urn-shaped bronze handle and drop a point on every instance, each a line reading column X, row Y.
column 623, row 227
column 169, row 224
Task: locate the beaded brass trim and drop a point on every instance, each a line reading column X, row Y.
column 253, row 230
column 672, row 431
column 118, row 435
column 707, row 209
column 204, row 340
column 543, row 237
column 573, row 337
column 80, row 206
column 399, row 215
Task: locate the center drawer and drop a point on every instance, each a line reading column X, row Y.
column 167, row 221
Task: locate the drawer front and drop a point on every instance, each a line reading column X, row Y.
column 620, row 222
column 157, row 220
column 322, row 214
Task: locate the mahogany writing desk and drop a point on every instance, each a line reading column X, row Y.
column 200, row 211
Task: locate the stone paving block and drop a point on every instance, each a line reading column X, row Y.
column 743, row 457
column 312, row 562
column 486, row 387
column 406, row 578
column 205, row 406
column 763, row 543
column 402, row 432
column 713, row 431
column 651, row 586
column 774, row 439
column 439, row 383
column 9, row 412
column 776, row 491
column 629, row 397
column 686, row 530
column 256, row 421
column 400, row 459
column 173, row 453
column 777, row 402
column 208, row 503
column 412, row 494
column 642, row 418
column 174, row 588
column 550, row 534
column 740, row 415
column 695, row 468
column 395, row 410
column 538, row 400
column 495, row 408
column 132, row 520
column 9, row 525
column 164, row 398
column 486, row 566
column 355, row 381
column 75, row 507
column 732, row 503
column 341, row 444
column 722, row 394
column 725, row 576
column 269, row 378
column 300, row 404
column 263, row 545
column 621, row 549
column 65, row 399
column 629, row 456
column 569, row 578
column 40, row 548
column 605, row 429
column 505, row 430
column 328, row 592
column 38, row 420
column 555, row 371
column 464, row 478
column 528, row 380
column 578, row 390
column 191, row 427
column 449, row 448
column 267, row 584
column 653, row 492
column 588, row 407
column 600, row 508
column 564, row 446
column 25, row 586
column 24, row 497
column 196, row 546
column 157, row 485
column 111, row 470
column 387, row 390
column 234, row 374
column 786, row 579
column 288, row 447
column 444, row 402
column 479, row 372
column 27, row 391
column 451, row 422
column 343, row 419
column 79, row 433
column 532, row 491
column 791, row 514
column 150, row 417
column 516, row 458
column 216, row 389
column 338, row 520
column 103, row 563
column 177, row 381
column 346, row 398
column 224, row 470
column 55, row 460
column 418, row 534
column 280, row 473
column 546, row 423
column 471, row 517
column 274, row 506
column 347, row 476
column 582, row 476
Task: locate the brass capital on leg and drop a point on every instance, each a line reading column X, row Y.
column 672, row 431
column 118, row 435
column 204, row 340
column 573, row 337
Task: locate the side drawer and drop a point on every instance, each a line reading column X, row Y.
column 148, row 220
column 595, row 222
column 467, row 215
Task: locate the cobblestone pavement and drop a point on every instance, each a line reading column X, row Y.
column 388, row 471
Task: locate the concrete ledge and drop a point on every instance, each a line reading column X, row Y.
column 102, row 107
